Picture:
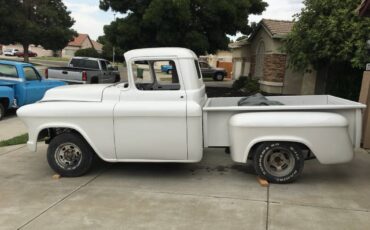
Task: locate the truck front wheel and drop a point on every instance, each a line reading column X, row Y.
column 2, row 111
column 279, row 162
column 70, row 155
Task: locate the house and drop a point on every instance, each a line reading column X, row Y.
column 81, row 41
column 261, row 57
column 41, row 52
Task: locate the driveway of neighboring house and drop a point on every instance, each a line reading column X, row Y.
column 11, row 126
column 213, row 194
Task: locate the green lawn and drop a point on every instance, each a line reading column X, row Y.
column 51, row 58
column 21, row 139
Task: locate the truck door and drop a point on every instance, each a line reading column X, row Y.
column 34, row 89
column 150, row 119
column 107, row 75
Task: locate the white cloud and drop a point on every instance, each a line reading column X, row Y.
column 88, row 16
column 279, row 9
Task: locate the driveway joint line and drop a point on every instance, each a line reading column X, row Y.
column 268, row 207
column 190, row 194
column 319, row 206
column 13, row 150
column 62, row 199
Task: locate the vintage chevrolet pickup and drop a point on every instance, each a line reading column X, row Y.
column 161, row 118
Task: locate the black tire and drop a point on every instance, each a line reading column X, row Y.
column 81, row 156
column 218, row 77
column 94, row 80
column 169, row 71
column 278, row 162
column 2, row 111
column 117, row 79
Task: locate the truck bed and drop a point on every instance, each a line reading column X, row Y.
column 322, row 102
column 218, row 111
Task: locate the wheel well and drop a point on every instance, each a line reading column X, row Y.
column 304, row 147
column 219, row 72
column 4, row 102
column 48, row 134
column 94, row 80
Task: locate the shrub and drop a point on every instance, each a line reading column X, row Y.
column 89, row 52
column 247, row 85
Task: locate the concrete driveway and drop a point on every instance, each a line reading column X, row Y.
column 213, row 194
column 11, row 126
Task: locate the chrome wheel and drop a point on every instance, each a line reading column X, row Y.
column 279, row 161
column 68, row 156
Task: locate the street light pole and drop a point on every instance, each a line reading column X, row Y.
column 114, row 48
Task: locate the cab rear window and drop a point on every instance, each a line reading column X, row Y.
column 198, row 69
column 84, row 63
column 8, row 71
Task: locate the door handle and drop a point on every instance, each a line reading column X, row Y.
column 64, row 72
column 181, row 97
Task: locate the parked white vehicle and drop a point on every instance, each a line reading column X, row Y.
column 161, row 118
column 10, row 52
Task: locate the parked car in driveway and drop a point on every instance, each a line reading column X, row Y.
column 21, row 84
column 218, row 74
column 30, row 54
column 10, row 52
column 85, row 70
column 149, row 119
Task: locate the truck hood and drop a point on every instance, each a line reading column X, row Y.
column 89, row 93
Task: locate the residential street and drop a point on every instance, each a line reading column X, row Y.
column 213, row 194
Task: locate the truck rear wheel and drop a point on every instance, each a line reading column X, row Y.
column 70, row 155
column 279, row 162
column 219, row 77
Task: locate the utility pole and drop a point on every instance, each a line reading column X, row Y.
column 114, row 48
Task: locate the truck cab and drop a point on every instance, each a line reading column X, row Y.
column 21, row 84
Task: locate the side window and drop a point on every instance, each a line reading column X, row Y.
column 156, row 75
column 203, row 65
column 30, row 74
column 103, row 65
column 8, row 71
column 198, row 69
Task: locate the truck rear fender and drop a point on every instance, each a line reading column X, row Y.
column 325, row 134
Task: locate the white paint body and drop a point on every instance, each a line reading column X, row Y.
column 124, row 124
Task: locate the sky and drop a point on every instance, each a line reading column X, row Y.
column 91, row 20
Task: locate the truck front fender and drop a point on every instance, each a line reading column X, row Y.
column 325, row 134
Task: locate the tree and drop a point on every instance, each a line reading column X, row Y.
column 327, row 33
column 108, row 49
column 38, row 22
column 201, row 25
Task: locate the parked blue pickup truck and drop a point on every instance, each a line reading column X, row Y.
column 21, row 84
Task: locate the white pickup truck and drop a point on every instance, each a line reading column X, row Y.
column 155, row 117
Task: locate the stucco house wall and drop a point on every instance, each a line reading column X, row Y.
column 261, row 57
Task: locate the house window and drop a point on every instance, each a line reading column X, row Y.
column 260, row 57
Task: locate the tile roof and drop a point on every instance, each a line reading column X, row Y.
column 98, row 46
column 77, row 41
column 277, row 28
